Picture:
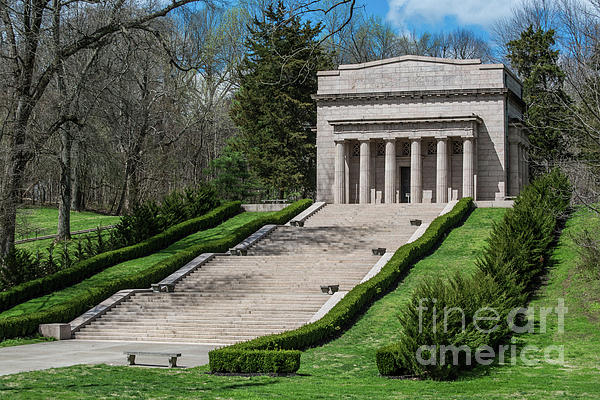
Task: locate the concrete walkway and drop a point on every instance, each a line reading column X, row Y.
column 65, row 353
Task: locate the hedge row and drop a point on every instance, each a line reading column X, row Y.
column 28, row 324
column 256, row 355
column 86, row 268
column 507, row 274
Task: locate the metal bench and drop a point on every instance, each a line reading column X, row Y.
column 172, row 356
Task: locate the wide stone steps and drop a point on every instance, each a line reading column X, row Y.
column 274, row 288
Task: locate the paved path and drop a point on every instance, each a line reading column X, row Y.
column 64, row 353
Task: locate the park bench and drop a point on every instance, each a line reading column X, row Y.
column 172, row 356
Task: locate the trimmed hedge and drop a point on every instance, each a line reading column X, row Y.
column 343, row 314
column 261, row 361
column 86, row 268
column 516, row 254
column 28, row 324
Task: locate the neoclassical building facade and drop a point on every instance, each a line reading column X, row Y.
column 419, row 129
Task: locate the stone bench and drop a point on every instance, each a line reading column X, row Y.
column 330, row 289
column 379, row 251
column 172, row 356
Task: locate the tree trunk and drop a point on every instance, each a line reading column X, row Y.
column 121, row 205
column 64, row 206
column 133, row 186
column 13, row 176
column 76, row 195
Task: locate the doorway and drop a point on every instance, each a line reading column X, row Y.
column 404, row 184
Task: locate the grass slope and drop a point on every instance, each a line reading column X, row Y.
column 43, row 221
column 131, row 267
column 345, row 368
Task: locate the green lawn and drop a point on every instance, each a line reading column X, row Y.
column 42, row 221
column 345, row 368
column 131, row 267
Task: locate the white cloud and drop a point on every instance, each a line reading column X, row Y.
column 476, row 12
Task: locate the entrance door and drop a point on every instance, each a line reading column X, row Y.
column 404, row 184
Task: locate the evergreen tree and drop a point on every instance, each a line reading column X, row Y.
column 273, row 108
column 547, row 115
column 232, row 180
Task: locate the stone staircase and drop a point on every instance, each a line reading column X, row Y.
column 274, row 288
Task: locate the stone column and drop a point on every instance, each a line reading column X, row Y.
column 390, row 171
column 364, row 186
column 468, row 167
column 441, row 188
column 416, row 178
column 339, row 192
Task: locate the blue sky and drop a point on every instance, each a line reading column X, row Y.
column 440, row 15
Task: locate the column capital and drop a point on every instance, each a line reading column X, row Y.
column 342, row 141
column 441, row 137
column 415, row 138
column 393, row 140
column 364, row 139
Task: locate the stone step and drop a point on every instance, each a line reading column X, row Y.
column 159, row 312
column 276, row 287
column 170, row 339
column 204, row 320
column 204, row 330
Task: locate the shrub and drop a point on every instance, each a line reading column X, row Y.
column 17, row 267
column 27, row 324
column 588, row 252
column 515, row 256
column 84, row 269
column 433, row 329
column 150, row 218
column 262, row 361
column 344, row 313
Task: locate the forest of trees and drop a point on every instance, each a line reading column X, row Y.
column 107, row 104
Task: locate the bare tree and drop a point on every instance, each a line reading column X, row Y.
column 542, row 14
column 25, row 25
column 580, row 23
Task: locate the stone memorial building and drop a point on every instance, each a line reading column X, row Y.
column 419, row 129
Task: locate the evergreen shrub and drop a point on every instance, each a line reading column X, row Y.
column 508, row 271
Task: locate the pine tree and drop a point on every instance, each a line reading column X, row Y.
column 273, row 108
column 536, row 62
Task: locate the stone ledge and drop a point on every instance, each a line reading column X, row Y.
column 168, row 284
column 494, row 204
column 377, row 267
column 329, row 304
column 264, row 207
column 103, row 307
column 56, row 331
column 299, row 219
column 251, row 240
